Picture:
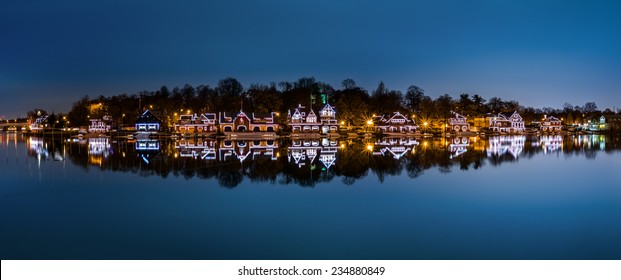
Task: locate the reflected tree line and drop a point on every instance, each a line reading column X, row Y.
column 310, row 163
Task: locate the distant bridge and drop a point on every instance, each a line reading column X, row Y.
column 17, row 125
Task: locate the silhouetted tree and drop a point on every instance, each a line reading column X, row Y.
column 444, row 106
column 352, row 105
column 478, row 103
column 384, row 101
column 264, row 99
column 348, row 84
column 589, row 107
column 495, row 105
column 229, row 92
column 414, row 98
column 79, row 112
column 465, row 105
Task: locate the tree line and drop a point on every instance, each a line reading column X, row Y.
column 354, row 104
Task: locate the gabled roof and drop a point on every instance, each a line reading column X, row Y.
column 503, row 116
column 232, row 116
column 148, row 117
column 457, row 116
column 552, row 119
column 516, row 115
column 500, row 117
column 296, row 113
column 398, row 115
column 41, row 119
column 389, row 118
column 208, row 117
column 328, row 108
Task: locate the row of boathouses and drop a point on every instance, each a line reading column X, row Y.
column 304, row 120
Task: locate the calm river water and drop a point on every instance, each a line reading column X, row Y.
column 504, row 197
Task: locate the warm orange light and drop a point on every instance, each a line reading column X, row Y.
column 370, row 147
column 369, row 122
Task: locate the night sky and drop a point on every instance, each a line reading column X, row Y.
column 541, row 53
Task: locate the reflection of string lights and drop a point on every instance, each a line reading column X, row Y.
column 501, row 145
column 99, row 146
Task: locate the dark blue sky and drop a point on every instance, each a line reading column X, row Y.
column 541, row 53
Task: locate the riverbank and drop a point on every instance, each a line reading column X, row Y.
column 261, row 135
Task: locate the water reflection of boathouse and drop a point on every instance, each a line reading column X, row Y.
column 99, row 146
column 302, row 152
column 550, row 143
column 147, row 149
column 197, row 147
column 98, row 150
column 590, row 141
column 458, row 146
column 500, row 145
column 397, row 147
column 598, row 140
column 242, row 149
column 38, row 147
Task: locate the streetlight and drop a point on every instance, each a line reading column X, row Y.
column 369, row 124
